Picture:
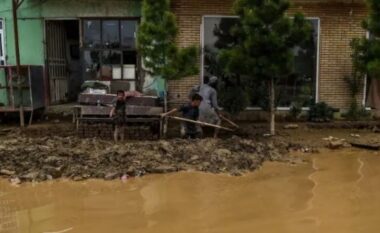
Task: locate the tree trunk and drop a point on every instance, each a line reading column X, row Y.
column 272, row 107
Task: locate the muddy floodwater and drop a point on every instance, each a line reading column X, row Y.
column 334, row 192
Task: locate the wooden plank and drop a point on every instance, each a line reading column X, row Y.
column 130, row 110
column 365, row 146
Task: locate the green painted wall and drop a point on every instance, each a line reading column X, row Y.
column 31, row 42
column 3, row 92
column 33, row 12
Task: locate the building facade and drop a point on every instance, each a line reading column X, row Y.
column 94, row 39
column 323, row 66
column 74, row 41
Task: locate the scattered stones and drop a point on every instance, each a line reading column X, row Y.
column 223, row 152
column 193, row 158
column 15, row 181
column 111, row 176
column 291, row 126
column 6, row 172
column 78, row 178
column 376, row 129
column 164, row 169
column 31, row 176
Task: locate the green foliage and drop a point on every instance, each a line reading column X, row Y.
column 232, row 95
column 233, row 99
column 366, row 51
column 365, row 59
column 372, row 23
column 266, row 37
column 321, row 112
column 295, row 111
column 157, row 43
column 355, row 84
column 357, row 112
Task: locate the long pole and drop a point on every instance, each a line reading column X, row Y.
column 200, row 123
column 15, row 5
column 229, row 121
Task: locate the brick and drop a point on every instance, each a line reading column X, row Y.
column 339, row 22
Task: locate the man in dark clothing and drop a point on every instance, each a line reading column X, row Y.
column 119, row 114
column 189, row 111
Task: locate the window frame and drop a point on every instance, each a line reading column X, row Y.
column 317, row 86
column 120, row 49
column 2, row 42
column 365, row 84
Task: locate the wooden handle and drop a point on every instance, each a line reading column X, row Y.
column 229, row 121
column 201, row 123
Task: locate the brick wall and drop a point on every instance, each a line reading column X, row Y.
column 339, row 24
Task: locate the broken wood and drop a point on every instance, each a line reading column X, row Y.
column 365, row 146
column 200, row 123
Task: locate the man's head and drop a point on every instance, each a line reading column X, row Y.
column 213, row 81
column 120, row 95
column 196, row 100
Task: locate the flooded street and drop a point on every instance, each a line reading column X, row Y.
column 335, row 192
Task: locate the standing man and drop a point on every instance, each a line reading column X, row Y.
column 209, row 108
column 119, row 114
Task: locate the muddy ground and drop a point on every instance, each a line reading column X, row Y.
column 52, row 150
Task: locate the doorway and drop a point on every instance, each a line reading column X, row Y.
column 63, row 60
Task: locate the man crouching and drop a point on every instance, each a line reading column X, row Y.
column 189, row 111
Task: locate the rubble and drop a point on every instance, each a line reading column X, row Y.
column 336, row 143
column 43, row 158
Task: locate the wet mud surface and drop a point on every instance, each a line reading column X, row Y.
column 27, row 158
column 52, row 151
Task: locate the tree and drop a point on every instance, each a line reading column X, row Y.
column 266, row 37
column 157, row 43
column 366, row 51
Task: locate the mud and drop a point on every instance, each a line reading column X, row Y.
column 52, row 150
column 26, row 158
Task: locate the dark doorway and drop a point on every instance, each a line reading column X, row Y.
column 63, row 60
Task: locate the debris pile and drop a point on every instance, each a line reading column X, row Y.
column 38, row 159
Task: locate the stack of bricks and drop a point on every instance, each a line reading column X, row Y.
column 340, row 22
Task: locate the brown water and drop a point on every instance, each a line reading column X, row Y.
column 334, row 193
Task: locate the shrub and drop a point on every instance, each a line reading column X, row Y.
column 321, row 112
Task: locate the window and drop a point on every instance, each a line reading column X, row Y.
column 109, row 49
column 370, row 90
column 2, row 39
column 300, row 87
